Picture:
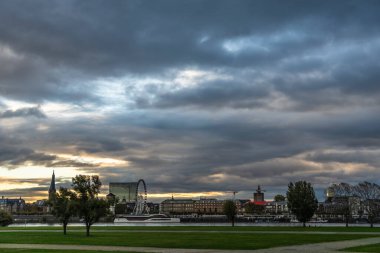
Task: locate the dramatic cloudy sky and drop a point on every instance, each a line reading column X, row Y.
column 199, row 98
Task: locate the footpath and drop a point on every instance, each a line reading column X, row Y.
column 330, row 247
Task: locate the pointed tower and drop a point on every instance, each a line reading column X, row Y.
column 258, row 196
column 52, row 187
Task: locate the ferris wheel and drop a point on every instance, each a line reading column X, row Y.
column 140, row 198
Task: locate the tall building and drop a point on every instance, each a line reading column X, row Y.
column 52, row 189
column 124, row 192
column 258, row 196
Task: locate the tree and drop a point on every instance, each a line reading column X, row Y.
column 302, row 201
column 279, row 198
column 230, row 210
column 342, row 196
column 64, row 206
column 369, row 193
column 90, row 208
column 5, row 218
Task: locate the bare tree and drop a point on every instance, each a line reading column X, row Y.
column 343, row 189
column 369, row 194
column 343, row 205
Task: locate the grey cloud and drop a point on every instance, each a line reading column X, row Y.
column 13, row 157
column 100, row 145
column 346, row 156
column 23, row 112
column 302, row 79
column 16, row 156
column 176, row 152
column 138, row 36
column 28, row 192
column 70, row 163
column 215, row 95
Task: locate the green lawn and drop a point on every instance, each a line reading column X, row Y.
column 229, row 228
column 54, row 251
column 209, row 228
column 174, row 240
column 366, row 248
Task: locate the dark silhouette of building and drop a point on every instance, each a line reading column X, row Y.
column 258, row 196
column 52, row 189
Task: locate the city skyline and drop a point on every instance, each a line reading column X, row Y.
column 197, row 98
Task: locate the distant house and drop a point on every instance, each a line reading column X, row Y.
column 277, row 207
column 12, row 205
column 177, row 206
column 202, row 206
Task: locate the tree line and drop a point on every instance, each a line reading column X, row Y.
column 366, row 193
column 302, row 202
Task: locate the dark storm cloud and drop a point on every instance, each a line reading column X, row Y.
column 215, row 94
column 180, row 153
column 99, row 144
column 16, row 156
column 23, row 112
column 58, row 39
column 11, row 158
column 171, row 156
column 278, row 84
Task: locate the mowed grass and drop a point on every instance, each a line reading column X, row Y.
column 207, row 228
column 55, row 251
column 245, row 228
column 366, row 248
column 174, row 240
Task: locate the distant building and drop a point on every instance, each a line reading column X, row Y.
column 258, row 204
column 124, row 192
column 335, row 207
column 209, row 206
column 277, row 207
column 203, row 206
column 258, row 196
column 177, row 206
column 12, row 205
column 40, row 206
column 153, row 207
column 52, row 189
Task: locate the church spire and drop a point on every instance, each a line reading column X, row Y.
column 52, row 189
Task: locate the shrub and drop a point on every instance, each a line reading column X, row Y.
column 5, row 218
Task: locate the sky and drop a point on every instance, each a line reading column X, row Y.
column 198, row 98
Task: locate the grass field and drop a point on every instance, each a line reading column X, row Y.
column 54, row 251
column 367, row 248
column 174, row 240
column 207, row 228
